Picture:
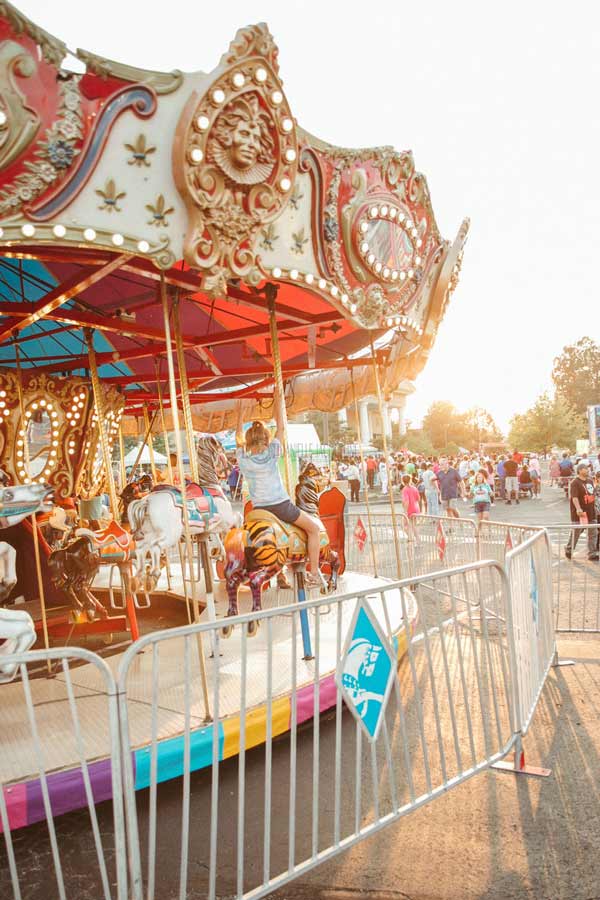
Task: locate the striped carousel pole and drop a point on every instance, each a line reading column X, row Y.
column 271, row 294
column 387, row 464
column 279, row 399
column 186, row 518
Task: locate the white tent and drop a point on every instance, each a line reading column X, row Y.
column 144, row 459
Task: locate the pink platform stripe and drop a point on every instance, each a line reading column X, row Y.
column 305, row 703
column 16, row 805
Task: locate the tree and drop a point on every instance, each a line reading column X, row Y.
column 550, row 422
column 445, row 425
column 417, row 441
column 440, row 423
column 480, row 427
column 576, row 374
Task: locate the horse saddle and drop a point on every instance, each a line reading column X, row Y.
column 290, row 537
column 107, row 537
column 200, row 501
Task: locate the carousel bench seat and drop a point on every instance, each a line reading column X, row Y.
column 287, row 535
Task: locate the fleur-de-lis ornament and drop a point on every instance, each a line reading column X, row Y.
column 159, row 211
column 110, row 196
column 140, row 152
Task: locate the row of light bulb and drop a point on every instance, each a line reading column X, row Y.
column 315, row 281
column 51, row 463
column 403, row 320
column 89, row 234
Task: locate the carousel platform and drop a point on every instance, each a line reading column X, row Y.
column 54, row 717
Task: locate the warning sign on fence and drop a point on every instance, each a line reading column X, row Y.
column 360, row 534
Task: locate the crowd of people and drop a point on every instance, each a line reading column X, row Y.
column 435, row 485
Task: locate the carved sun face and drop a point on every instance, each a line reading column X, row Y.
column 245, row 145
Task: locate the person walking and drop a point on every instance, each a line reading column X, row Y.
column 353, row 476
column 450, row 487
column 583, row 511
column 554, row 471
column 482, row 497
column 371, row 469
column 511, row 482
column 383, row 476
column 410, row 497
column 501, row 478
column 432, row 490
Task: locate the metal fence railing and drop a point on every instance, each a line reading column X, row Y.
column 58, row 745
column 529, row 575
column 497, row 539
column 214, row 804
column 575, row 578
column 247, row 814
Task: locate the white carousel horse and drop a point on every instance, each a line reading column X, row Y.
column 17, row 631
column 18, row 501
column 157, row 519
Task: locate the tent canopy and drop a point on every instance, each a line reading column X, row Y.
column 145, row 459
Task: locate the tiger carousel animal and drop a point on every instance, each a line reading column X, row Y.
column 264, row 545
column 157, row 519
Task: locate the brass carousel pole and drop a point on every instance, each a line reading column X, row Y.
column 189, row 432
column 279, row 399
column 364, row 471
column 148, row 427
column 161, row 409
column 185, row 396
column 36, row 540
column 104, row 444
column 387, row 464
column 122, row 456
column 186, row 521
column 110, row 478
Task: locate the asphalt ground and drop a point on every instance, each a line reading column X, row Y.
column 495, row 837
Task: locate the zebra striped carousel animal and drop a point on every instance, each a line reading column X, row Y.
column 264, row 545
column 157, row 519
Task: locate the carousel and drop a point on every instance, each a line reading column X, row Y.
column 178, row 254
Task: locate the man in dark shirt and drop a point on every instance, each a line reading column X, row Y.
column 581, row 494
column 511, row 482
column 450, row 486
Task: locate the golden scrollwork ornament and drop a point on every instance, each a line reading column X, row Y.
column 235, row 161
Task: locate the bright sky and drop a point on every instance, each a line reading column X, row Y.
column 501, row 112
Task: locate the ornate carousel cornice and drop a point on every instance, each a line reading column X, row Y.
column 213, row 169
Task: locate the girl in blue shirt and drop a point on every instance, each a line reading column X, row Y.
column 258, row 459
column 482, row 496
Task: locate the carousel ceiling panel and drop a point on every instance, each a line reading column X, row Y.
column 212, row 169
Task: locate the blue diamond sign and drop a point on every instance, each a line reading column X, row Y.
column 367, row 669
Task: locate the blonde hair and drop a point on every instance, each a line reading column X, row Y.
column 257, row 437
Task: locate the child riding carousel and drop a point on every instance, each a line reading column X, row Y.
column 258, row 459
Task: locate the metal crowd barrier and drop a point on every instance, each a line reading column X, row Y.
column 224, row 793
column 575, row 579
column 371, row 547
column 528, row 570
column 88, row 728
column 427, row 543
column 312, row 793
column 497, row 539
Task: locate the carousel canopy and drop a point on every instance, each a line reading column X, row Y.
column 121, row 183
